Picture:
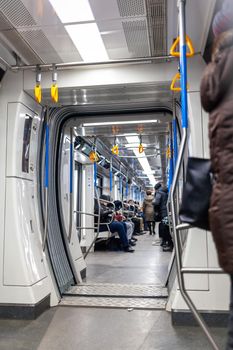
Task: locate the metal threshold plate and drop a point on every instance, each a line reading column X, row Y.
column 118, row 290
column 108, row 302
column 110, row 295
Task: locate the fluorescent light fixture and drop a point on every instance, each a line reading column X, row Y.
column 134, row 145
column 73, row 10
column 78, row 146
column 151, row 172
column 143, row 161
column 83, row 148
column 133, row 140
column 86, row 37
column 121, row 122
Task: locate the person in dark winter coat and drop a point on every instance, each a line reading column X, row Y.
column 217, row 99
column 160, row 206
column 148, row 212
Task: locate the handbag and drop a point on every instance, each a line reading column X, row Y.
column 196, row 193
column 157, row 216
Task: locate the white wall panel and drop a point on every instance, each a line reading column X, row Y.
column 23, row 256
column 12, row 218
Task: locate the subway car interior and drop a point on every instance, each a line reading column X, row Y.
column 100, row 103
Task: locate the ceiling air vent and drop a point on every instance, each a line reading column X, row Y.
column 16, row 13
column 157, row 23
column 131, row 8
column 136, row 37
column 39, row 43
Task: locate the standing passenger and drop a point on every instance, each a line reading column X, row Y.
column 217, row 99
column 148, row 211
column 160, row 204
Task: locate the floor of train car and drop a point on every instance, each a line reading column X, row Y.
column 121, row 280
column 93, row 329
column 70, row 328
column 148, row 264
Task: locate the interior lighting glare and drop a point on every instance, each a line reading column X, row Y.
column 86, row 37
column 133, row 145
column 122, row 122
column 73, row 10
column 143, row 161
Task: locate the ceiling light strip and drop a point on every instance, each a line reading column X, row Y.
column 86, row 37
column 122, row 122
column 143, row 161
column 73, row 10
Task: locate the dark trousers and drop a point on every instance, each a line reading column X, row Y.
column 136, row 222
column 230, row 322
column 119, row 227
column 151, row 226
column 164, row 233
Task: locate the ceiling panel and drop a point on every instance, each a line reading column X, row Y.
column 136, row 36
column 131, row 8
column 157, row 24
column 16, row 13
column 39, row 43
column 123, row 25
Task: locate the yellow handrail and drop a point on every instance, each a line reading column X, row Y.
column 38, row 93
column 177, row 53
column 115, row 150
column 174, row 80
column 54, row 92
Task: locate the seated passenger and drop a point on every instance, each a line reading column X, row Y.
column 129, row 226
column 119, row 227
column 136, row 219
column 114, row 226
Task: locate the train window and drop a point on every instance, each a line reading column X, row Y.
column 99, row 184
column 26, row 143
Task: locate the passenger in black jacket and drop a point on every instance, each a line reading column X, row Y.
column 160, row 201
column 160, row 206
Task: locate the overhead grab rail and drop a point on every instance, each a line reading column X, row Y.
column 177, row 228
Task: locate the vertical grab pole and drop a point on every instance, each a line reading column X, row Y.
column 175, row 144
column 99, row 209
column 110, row 178
column 71, row 186
column 171, row 164
column 95, row 176
column 126, row 189
column 184, row 109
column 46, row 179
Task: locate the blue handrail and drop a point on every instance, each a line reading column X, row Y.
column 110, row 178
column 95, row 175
column 175, row 144
column 184, row 100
